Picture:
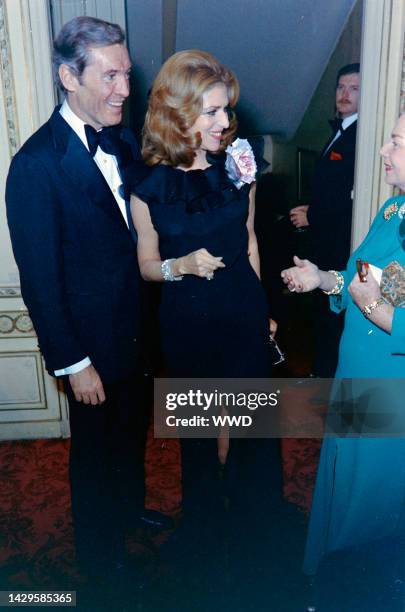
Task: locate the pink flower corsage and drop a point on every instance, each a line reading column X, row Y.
column 240, row 163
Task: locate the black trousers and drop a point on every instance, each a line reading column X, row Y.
column 107, row 471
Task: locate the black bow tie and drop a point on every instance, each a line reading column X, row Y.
column 336, row 124
column 107, row 139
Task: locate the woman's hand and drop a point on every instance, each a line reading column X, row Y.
column 364, row 293
column 200, row 263
column 304, row 276
column 273, row 327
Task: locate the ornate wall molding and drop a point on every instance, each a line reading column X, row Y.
column 31, row 403
column 16, row 324
column 7, row 82
column 26, row 98
column 24, row 388
column 10, row 292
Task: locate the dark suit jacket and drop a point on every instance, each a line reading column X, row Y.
column 330, row 212
column 76, row 257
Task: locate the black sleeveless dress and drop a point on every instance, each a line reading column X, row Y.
column 213, row 328
column 217, row 328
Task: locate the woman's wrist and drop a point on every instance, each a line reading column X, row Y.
column 177, row 267
column 328, row 281
column 169, row 270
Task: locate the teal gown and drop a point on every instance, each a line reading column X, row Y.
column 360, row 488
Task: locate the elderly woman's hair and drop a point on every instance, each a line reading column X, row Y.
column 76, row 38
column 175, row 103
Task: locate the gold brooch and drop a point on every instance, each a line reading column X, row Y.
column 390, row 211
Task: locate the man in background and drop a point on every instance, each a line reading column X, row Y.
column 329, row 214
column 79, row 279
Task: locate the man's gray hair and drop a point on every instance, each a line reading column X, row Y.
column 76, row 38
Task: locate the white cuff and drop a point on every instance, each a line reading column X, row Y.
column 73, row 369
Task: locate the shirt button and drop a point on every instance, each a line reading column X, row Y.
column 114, row 190
column 105, row 161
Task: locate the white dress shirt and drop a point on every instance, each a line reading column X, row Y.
column 345, row 124
column 109, row 168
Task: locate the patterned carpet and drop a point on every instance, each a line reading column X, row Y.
column 36, row 539
column 35, row 523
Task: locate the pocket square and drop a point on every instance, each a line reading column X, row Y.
column 335, row 156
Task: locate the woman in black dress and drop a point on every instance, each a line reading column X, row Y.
column 196, row 235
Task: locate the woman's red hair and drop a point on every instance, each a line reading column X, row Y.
column 175, row 103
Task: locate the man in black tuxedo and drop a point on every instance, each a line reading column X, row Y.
column 79, row 279
column 330, row 213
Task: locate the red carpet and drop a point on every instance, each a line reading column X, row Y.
column 35, row 521
column 300, row 462
column 36, row 537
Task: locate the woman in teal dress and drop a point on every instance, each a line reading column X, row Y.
column 359, row 495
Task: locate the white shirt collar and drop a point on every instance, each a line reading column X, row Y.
column 74, row 121
column 349, row 120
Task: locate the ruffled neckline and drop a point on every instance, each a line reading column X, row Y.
column 213, row 161
column 200, row 190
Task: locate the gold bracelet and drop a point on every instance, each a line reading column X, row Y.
column 368, row 310
column 340, row 283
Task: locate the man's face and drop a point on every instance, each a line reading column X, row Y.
column 347, row 94
column 97, row 96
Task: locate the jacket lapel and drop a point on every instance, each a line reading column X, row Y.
column 127, row 155
column 81, row 168
column 346, row 135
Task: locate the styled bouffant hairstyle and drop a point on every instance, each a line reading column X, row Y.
column 175, row 103
column 76, row 38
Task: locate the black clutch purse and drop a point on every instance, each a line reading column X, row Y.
column 276, row 354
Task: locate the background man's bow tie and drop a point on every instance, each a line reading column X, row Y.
column 336, row 124
column 107, row 139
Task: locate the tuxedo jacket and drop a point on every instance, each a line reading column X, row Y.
column 76, row 257
column 330, row 212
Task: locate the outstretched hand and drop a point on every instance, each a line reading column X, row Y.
column 303, row 277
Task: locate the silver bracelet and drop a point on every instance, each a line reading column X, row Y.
column 167, row 270
column 340, row 283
